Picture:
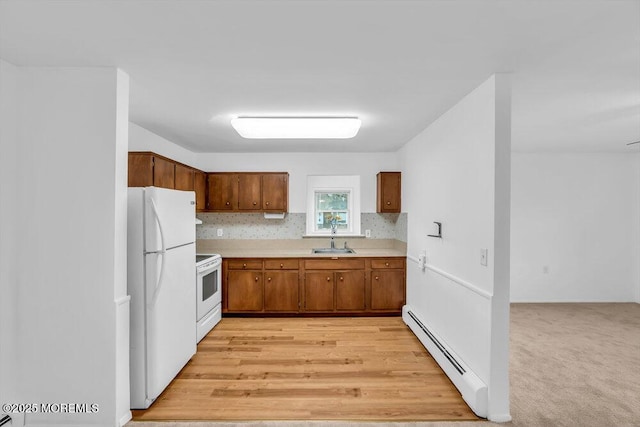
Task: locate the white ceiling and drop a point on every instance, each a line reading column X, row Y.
column 397, row 65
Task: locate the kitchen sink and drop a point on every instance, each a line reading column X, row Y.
column 333, row 251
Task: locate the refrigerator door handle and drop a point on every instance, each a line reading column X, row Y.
column 161, row 253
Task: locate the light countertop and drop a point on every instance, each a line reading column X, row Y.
column 300, row 248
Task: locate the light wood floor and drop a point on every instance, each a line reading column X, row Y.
column 310, row 369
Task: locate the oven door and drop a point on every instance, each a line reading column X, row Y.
column 209, row 288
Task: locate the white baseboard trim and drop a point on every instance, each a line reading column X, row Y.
column 473, row 390
column 500, row 418
column 125, row 418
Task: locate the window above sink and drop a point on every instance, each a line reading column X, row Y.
column 332, row 208
column 333, row 200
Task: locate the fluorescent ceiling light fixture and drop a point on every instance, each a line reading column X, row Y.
column 296, row 127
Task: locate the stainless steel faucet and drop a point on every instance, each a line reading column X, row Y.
column 334, row 230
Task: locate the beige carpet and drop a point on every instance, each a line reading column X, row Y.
column 571, row 365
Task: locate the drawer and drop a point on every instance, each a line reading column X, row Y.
column 334, row 264
column 387, row 263
column 281, row 264
column 244, row 264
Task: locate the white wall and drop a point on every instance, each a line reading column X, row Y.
column 299, row 165
column 457, row 172
column 575, row 229
column 9, row 230
column 70, row 315
column 140, row 139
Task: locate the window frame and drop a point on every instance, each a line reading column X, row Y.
column 334, row 184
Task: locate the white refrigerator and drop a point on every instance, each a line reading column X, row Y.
column 162, row 283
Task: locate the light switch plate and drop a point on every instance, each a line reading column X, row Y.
column 220, row 232
column 484, row 254
column 367, row 234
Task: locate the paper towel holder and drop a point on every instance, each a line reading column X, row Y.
column 439, row 235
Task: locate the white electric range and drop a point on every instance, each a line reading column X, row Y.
column 208, row 293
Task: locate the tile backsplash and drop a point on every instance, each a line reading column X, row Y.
column 255, row 226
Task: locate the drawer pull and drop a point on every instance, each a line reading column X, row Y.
column 257, row 278
column 255, row 203
column 377, row 278
column 342, row 278
column 269, row 279
column 244, row 265
column 328, row 279
column 388, row 203
column 387, row 264
column 281, row 265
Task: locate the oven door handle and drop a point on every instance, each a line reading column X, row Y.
column 160, row 253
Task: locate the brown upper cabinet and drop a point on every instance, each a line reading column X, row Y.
column 215, row 191
column 248, row 192
column 222, row 191
column 200, row 185
column 184, row 178
column 148, row 169
column 389, row 192
column 275, row 192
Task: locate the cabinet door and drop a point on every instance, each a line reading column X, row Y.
column 223, row 192
column 389, row 192
column 387, row 290
column 318, row 291
column 184, row 178
column 200, row 185
column 350, row 294
column 249, row 192
column 163, row 173
column 281, row 291
column 275, row 190
column 140, row 170
column 245, row 291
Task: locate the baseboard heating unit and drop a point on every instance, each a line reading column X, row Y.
column 472, row 388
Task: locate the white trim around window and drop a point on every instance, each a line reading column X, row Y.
column 334, row 184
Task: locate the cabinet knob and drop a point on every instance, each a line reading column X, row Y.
column 377, row 278
column 341, row 278
column 257, row 278
column 244, row 265
column 281, row 265
column 268, row 279
column 267, row 203
column 387, row 264
column 228, row 203
column 328, row 279
column 388, row 203
column 255, row 203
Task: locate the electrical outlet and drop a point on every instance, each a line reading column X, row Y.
column 367, row 234
column 220, row 232
column 422, row 260
column 484, row 255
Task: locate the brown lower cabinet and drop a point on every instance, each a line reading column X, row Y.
column 387, row 289
column 324, row 286
column 319, row 291
column 281, row 291
column 246, row 293
column 350, row 291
